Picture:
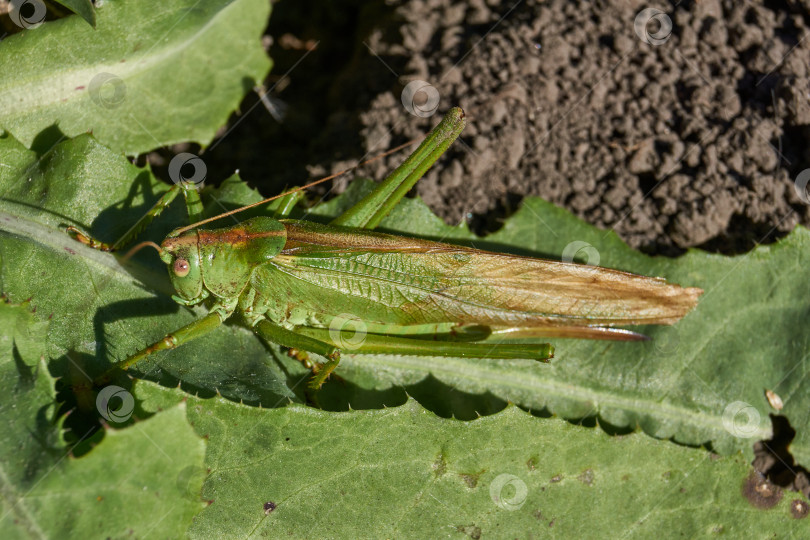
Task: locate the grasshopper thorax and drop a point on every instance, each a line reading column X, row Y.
column 219, row 262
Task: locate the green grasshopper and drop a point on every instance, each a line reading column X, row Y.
column 293, row 282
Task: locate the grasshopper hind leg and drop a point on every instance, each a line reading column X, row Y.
column 414, row 346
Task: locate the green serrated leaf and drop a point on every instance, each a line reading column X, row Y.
column 702, row 380
column 66, row 77
column 139, row 481
column 404, row 472
column 689, row 381
column 28, row 406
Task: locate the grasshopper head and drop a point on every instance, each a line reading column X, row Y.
column 182, row 256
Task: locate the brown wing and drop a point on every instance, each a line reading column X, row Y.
column 431, row 282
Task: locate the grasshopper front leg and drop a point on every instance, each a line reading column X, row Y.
column 172, row 340
column 193, row 204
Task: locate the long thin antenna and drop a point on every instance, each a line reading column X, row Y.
column 301, row 188
column 136, row 248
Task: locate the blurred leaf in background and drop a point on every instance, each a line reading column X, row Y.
column 150, row 74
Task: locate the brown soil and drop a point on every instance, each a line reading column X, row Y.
column 696, row 141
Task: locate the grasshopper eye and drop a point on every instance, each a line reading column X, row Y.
column 181, row 268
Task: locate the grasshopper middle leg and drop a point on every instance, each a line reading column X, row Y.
column 288, row 338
